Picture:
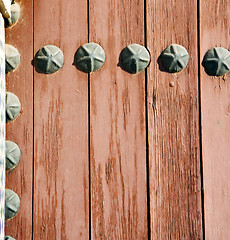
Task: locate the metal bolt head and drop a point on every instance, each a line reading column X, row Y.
column 217, row 61
column 12, row 204
column 15, row 13
column 134, row 58
column 12, row 58
column 13, row 107
column 174, row 58
column 9, row 238
column 90, row 57
column 49, row 59
column 13, row 155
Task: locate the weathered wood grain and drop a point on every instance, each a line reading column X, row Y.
column 61, row 126
column 173, row 125
column 117, row 125
column 20, row 82
column 215, row 108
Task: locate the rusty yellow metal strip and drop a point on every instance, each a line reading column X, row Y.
column 5, row 8
column 2, row 127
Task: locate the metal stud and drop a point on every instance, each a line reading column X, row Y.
column 12, row 58
column 12, row 204
column 174, row 58
column 217, row 61
column 90, row 57
column 13, row 155
column 49, row 59
column 134, row 58
column 15, row 13
column 13, row 107
column 9, row 238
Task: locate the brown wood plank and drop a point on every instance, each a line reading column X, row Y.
column 173, row 124
column 215, row 106
column 117, row 125
column 61, row 126
column 20, row 82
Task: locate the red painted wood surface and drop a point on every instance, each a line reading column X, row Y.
column 173, row 122
column 215, row 108
column 55, row 196
column 117, row 125
column 61, row 126
column 20, row 82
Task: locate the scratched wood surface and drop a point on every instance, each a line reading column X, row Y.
column 215, row 106
column 117, row 125
column 61, row 126
column 173, row 122
column 20, row 82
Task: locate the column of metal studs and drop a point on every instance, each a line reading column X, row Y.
column 13, row 107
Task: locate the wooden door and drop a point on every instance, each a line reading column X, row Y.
column 114, row 155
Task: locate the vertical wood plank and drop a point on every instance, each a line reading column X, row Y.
column 215, row 106
column 173, row 124
column 61, row 126
column 20, row 82
column 117, row 125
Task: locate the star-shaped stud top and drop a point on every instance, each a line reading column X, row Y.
column 134, row 58
column 49, row 59
column 174, row 58
column 12, row 204
column 13, row 155
column 217, row 61
column 13, row 107
column 90, row 57
column 12, row 57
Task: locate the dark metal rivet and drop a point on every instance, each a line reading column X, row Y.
column 134, row 58
column 13, row 107
column 49, row 59
column 217, row 61
column 12, row 58
column 174, row 58
column 15, row 13
column 13, row 155
column 12, row 204
column 90, row 57
column 9, row 238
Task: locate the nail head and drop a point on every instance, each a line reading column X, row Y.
column 174, row 58
column 134, row 58
column 49, row 59
column 13, row 155
column 12, row 204
column 12, row 56
column 13, row 106
column 90, row 57
column 217, row 61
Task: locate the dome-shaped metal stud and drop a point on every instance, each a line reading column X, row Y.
column 12, row 58
column 217, row 61
column 49, row 59
column 9, row 238
column 13, row 155
column 13, row 107
column 15, row 13
column 134, row 58
column 12, row 204
column 174, row 58
column 90, row 57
